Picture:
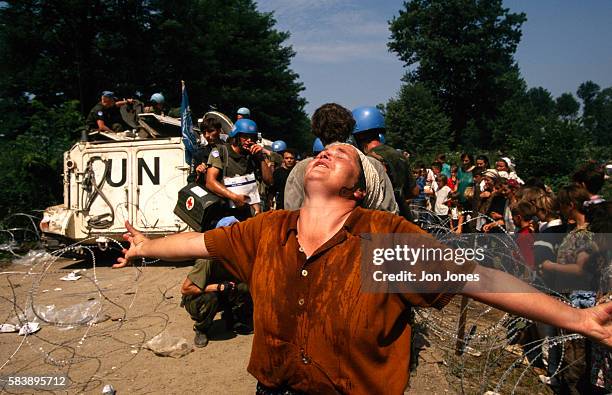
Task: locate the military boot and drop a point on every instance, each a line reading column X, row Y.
column 200, row 340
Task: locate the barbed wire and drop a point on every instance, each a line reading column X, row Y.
column 483, row 358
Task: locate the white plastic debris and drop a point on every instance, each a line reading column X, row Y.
column 166, row 345
column 89, row 312
column 28, row 328
column 32, row 257
column 7, row 328
column 10, row 246
column 72, row 276
column 108, row 390
column 77, row 314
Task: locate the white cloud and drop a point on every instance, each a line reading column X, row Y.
column 340, row 51
column 324, row 31
column 358, row 23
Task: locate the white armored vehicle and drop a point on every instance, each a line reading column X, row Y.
column 114, row 177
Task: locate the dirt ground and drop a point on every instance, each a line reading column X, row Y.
column 141, row 304
column 136, row 305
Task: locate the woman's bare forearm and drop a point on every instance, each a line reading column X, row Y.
column 177, row 247
column 506, row 292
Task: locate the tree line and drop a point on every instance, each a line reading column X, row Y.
column 463, row 91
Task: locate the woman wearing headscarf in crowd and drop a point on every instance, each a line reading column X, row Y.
column 495, row 205
column 505, row 168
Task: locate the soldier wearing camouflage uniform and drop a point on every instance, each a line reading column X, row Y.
column 368, row 132
column 209, row 288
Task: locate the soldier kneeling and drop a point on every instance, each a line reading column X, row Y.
column 208, row 289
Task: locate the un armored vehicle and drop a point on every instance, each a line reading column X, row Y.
column 113, row 177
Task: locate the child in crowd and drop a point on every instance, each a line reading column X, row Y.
column 442, row 198
column 419, row 202
column 522, row 216
column 453, row 181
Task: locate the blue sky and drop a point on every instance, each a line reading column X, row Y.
column 342, row 52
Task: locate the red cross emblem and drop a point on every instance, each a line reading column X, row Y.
column 189, row 203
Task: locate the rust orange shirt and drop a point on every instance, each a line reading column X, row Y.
column 315, row 330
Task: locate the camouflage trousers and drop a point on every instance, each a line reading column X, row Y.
column 205, row 306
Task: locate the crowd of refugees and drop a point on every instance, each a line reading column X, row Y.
column 562, row 238
column 474, row 196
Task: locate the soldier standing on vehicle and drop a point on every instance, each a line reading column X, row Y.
column 157, row 104
column 105, row 115
column 243, row 113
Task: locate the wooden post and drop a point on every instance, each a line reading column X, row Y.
column 460, row 346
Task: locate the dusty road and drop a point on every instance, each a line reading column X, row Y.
column 139, row 304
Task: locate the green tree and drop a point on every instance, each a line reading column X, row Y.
column 550, row 149
column 601, row 126
column 541, row 101
column 32, row 162
column 414, row 121
column 567, row 106
column 229, row 54
column 60, row 50
column 587, row 92
column 462, row 50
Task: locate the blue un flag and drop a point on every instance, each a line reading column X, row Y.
column 189, row 138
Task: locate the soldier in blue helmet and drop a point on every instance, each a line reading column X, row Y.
column 240, row 156
column 281, row 173
column 157, row 104
column 317, row 146
column 369, row 136
column 279, row 146
column 105, row 115
column 276, row 156
column 243, row 113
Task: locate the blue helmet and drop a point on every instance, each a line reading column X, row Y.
column 108, row 94
column 279, row 146
column 367, row 118
column 245, row 126
column 157, row 98
column 317, row 146
column 245, row 112
column 381, row 137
